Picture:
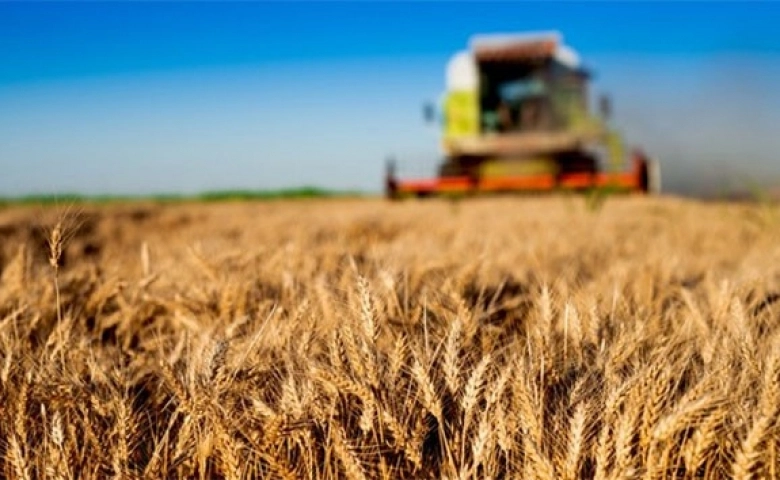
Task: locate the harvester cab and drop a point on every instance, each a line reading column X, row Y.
column 516, row 117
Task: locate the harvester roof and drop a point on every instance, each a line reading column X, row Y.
column 523, row 46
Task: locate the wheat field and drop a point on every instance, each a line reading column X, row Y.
column 533, row 338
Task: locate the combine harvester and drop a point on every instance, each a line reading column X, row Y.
column 516, row 117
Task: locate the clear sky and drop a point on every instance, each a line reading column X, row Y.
column 136, row 98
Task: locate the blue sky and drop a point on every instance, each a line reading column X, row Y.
column 182, row 97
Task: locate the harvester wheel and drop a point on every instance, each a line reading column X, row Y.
column 653, row 176
column 649, row 173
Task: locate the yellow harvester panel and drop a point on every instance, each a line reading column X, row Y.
column 515, row 167
column 461, row 114
column 616, row 150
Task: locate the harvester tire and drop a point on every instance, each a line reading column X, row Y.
column 653, row 176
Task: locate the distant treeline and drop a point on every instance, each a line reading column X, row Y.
column 208, row 196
